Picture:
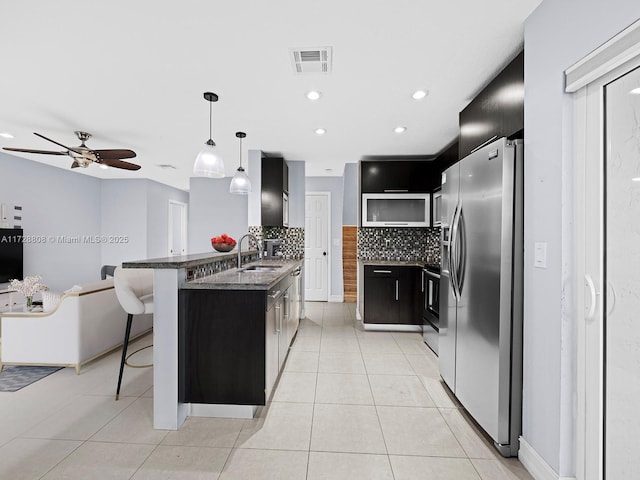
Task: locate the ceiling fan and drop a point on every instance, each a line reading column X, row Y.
column 83, row 156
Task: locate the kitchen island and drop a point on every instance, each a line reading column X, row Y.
column 235, row 329
column 170, row 275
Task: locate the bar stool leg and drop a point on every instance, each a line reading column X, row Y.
column 125, row 344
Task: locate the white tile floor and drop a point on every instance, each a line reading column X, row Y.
column 350, row 405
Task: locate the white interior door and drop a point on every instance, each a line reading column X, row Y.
column 316, row 247
column 609, row 368
column 177, row 228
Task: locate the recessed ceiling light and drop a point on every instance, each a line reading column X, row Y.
column 635, row 91
column 635, row 179
column 400, row 129
column 6, row 135
column 320, row 131
column 313, row 95
column 104, row 167
column 420, row 94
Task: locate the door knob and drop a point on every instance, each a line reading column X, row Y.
column 324, row 253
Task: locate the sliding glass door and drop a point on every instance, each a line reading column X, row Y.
column 621, row 285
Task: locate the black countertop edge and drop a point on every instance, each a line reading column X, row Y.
column 185, row 261
column 236, row 279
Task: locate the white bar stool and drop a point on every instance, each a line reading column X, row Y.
column 134, row 289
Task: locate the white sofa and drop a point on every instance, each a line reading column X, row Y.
column 84, row 325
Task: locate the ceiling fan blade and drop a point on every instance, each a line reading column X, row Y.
column 26, row 150
column 113, row 154
column 57, row 143
column 115, row 163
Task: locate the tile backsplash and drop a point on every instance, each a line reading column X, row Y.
column 218, row 265
column 292, row 239
column 407, row 244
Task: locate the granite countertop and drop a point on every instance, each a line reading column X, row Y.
column 185, row 261
column 406, row 263
column 238, row 279
column 434, row 267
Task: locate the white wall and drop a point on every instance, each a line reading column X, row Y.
column 254, row 198
column 124, row 212
column 139, row 209
column 214, row 211
column 158, row 196
column 333, row 185
column 350, row 194
column 296, row 193
column 55, row 202
column 557, row 34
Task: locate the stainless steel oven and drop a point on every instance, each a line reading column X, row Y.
column 431, row 307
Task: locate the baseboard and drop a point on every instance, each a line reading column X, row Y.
column 336, row 298
column 392, row 327
column 358, row 316
column 535, row 464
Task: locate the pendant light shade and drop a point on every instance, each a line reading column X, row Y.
column 209, row 162
column 240, row 182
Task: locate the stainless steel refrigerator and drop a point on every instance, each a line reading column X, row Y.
column 480, row 338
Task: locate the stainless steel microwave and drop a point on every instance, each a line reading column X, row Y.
column 396, row 210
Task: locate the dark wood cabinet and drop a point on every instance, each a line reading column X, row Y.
column 275, row 191
column 380, row 304
column 390, row 295
column 395, row 176
column 408, row 278
column 497, row 111
column 222, row 347
column 232, row 344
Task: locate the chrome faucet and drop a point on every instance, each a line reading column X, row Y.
column 258, row 246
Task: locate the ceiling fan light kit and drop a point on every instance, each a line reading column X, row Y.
column 209, row 162
column 240, row 182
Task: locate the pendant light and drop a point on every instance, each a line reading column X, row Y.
column 209, row 162
column 240, row 182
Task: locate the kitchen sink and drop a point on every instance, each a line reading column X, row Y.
column 261, row 268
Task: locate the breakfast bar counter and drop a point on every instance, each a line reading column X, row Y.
column 170, row 274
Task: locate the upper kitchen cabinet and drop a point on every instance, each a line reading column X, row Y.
column 497, row 111
column 395, row 176
column 275, row 192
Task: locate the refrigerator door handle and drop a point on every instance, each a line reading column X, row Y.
column 453, row 252
column 462, row 253
column 450, row 253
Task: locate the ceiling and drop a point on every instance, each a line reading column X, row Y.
column 133, row 75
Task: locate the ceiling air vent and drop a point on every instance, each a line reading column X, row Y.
column 311, row 59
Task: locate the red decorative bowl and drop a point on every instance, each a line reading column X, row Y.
column 223, row 247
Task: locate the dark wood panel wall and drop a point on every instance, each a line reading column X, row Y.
column 350, row 262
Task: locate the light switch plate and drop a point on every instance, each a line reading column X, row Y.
column 540, row 255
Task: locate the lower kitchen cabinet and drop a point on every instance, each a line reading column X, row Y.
column 233, row 343
column 390, row 294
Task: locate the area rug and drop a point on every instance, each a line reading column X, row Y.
column 15, row 377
